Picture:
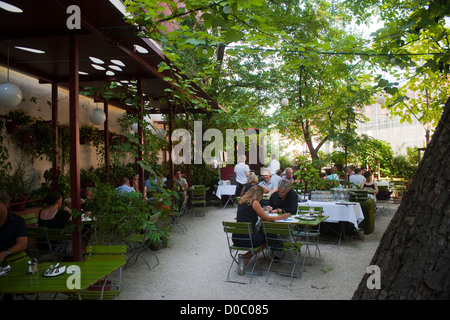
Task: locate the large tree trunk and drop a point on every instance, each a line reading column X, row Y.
column 414, row 255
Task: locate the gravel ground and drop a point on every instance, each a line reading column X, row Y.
column 194, row 266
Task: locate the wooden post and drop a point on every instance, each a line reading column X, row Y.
column 106, row 139
column 55, row 164
column 75, row 143
column 140, row 115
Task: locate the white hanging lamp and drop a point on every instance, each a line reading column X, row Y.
column 381, row 100
column 284, row 102
column 97, row 116
column 10, row 94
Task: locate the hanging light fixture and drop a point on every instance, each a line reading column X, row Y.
column 381, row 100
column 135, row 128
column 97, row 116
column 161, row 133
column 284, row 102
column 10, row 94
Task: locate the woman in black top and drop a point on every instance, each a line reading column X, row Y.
column 369, row 183
column 53, row 217
column 249, row 210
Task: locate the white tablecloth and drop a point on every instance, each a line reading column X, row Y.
column 229, row 190
column 338, row 212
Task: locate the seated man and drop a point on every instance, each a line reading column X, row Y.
column 13, row 230
column 276, row 177
column 125, row 187
column 357, row 178
column 289, row 175
column 284, row 199
column 267, row 182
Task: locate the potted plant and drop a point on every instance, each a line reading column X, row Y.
column 19, row 185
column 88, row 133
column 118, row 215
column 16, row 118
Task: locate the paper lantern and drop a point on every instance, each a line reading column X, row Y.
column 97, row 116
column 10, row 95
column 134, row 127
column 161, row 133
column 284, row 102
column 381, row 100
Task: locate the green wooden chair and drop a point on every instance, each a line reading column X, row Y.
column 310, row 234
column 198, row 198
column 103, row 289
column 49, row 244
column 280, row 237
column 241, row 231
column 139, row 243
column 30, row 219
column 178, row 215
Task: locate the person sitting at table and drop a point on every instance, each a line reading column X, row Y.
column 332, row 176
column 125, row 187
column 275, row 178
column 135, row 185
column 357, row 178
column 288, row 175
column 284, row 199
column 369, row 183
column 182, row 185
column 252, row 180
column 13, row 230
column 52, row 216
column 267, row 182
column 249, row 210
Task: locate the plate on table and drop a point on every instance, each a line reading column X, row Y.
column 306, row 217
column 53, row 272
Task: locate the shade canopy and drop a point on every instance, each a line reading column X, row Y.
column 109, row 49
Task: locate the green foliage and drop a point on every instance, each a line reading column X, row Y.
column 413, row 46
column 118, row 215
column 19, row 116
column 401, row 167
column 18, row 182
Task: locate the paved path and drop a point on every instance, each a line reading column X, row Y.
column 194, row 266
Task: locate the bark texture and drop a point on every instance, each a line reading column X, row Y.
column 413, row 255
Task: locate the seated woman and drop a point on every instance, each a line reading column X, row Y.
column 369, row 183
column 53, row 217
column 249, row 210
column 252, row 180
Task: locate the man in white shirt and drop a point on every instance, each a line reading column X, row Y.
column 242, row 172
column 357, row 178
column 274, row 165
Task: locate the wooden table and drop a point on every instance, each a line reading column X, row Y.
column 19, row 281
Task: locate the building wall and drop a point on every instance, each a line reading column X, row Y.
column 41, row 109
column 384, row 127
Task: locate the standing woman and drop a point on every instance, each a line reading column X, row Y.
column 52, row 216
column 249, row 210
